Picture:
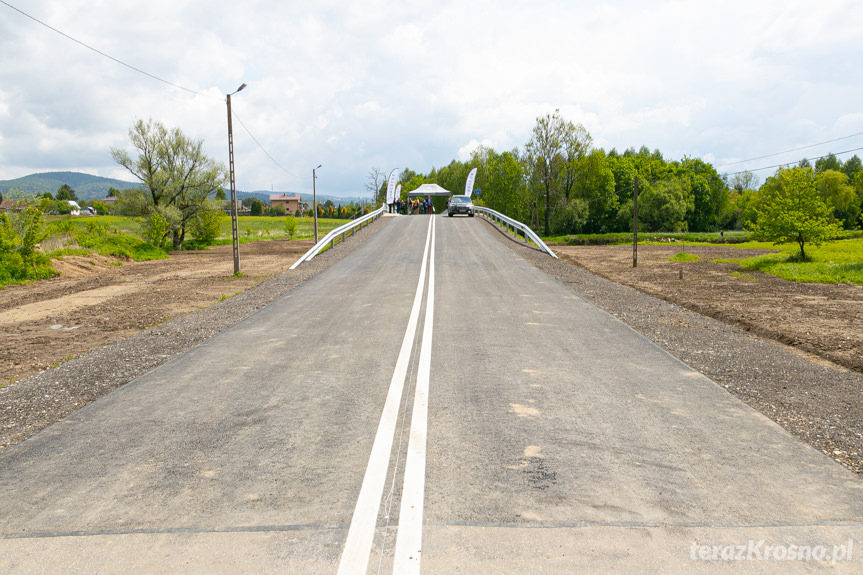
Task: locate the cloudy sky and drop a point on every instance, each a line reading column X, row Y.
column 359, row 84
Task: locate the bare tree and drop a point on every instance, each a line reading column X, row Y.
column 376, row 179
column 744, row 181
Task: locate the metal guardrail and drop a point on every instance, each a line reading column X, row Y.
column 514, row 226
column 342, row 230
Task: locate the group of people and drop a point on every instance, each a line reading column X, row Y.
column 412, row 206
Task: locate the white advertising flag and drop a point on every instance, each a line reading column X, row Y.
column 468, row 186
column 391, row 186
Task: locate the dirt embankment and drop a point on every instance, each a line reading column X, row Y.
column 97, row 300
column 825, row 320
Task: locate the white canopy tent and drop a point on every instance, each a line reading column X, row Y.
column 432, row 190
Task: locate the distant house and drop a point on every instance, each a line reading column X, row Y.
column 109, row 201
column 241, row 209
column 291, row 202
column 10, row 206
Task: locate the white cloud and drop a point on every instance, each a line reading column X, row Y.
column 417, row 84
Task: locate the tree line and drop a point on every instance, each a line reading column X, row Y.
column 561, row 184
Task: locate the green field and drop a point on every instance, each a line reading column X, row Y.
column 249, row 227
column 837, row 262
column 264, row 227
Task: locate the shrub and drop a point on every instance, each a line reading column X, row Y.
column 206, row 227
column 291, row 226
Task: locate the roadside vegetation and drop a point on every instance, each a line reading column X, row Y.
column 560, row 184
column 837, row 262
column 29, row 240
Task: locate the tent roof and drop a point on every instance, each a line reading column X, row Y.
column 426, row 190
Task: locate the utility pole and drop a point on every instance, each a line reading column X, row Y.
column 234, row 232
column 635, row 222
column 315, row 200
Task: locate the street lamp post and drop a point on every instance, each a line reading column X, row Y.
column 234, row 232
column 315, row 201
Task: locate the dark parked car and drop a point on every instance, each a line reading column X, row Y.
column 459, row 205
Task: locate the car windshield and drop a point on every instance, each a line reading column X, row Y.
column 460, row 200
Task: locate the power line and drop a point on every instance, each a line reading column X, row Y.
column 103, row 53
column 788, row 151
column 145, row 73
column 259, row 144
column 787, row 163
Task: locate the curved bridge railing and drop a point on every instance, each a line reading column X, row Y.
column 514, row 226
column 340, row 233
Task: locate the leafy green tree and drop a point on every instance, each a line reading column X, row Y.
column 501, row 179
column 828, row 162
column 101, row 208
column 570, row 217
column 177, row 177
column 65, row 193
column 278, row 210
column 31, row 231
column 852, row 166
column 156, row 227
column 595, row 185
column 291, row 226
column 709, row 195
column 792, row 210
column 206, row 227
column 840, row 195
column 8, row 236
column 576, row 145
column 663, row 206
column 256, row 208
column 410, row 185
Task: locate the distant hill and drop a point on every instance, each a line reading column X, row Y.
column 88, row 187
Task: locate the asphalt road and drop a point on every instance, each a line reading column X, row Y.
column 431, row 403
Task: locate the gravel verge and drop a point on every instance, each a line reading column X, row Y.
column 819, row 402
column 32, row 404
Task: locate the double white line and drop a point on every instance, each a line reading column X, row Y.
column 355, row 557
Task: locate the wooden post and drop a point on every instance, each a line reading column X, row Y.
column 635, row 222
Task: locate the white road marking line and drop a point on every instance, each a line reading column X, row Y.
column 355, row 556
column 408, row 550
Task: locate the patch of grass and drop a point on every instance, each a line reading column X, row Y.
column 837, row 262
column 255, row 227
column 684, row 257
column 15, row 271
column 649, row 238
column 122, row 246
